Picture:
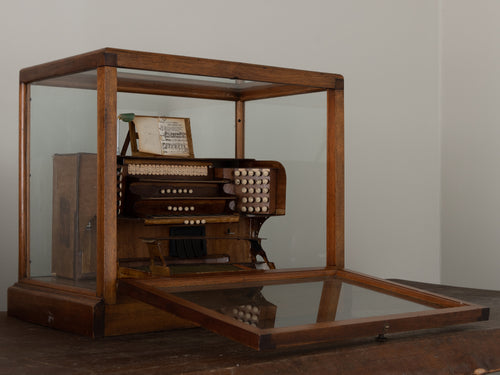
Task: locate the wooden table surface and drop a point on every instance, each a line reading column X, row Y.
column 30, row 349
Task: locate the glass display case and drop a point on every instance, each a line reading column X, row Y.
column 161, row 191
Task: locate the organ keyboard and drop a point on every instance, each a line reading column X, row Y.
column 153, row 188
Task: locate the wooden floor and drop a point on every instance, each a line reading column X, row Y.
column 29, row 349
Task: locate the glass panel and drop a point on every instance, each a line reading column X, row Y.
column 285, row 305
column 82, row 80
column 292, row 130
column 212, row 121
column 63, row 183
column 184, row 79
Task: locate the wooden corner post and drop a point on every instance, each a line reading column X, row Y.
column 24, row 126
column 106, row 183
column 335, row 179
column 240, row 130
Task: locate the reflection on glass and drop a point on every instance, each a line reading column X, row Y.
column 285, row 305
column 292, row 130
column 63, row 174
column 212, row 121
column 187, row 80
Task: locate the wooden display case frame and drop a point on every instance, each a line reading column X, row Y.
column 114, row 308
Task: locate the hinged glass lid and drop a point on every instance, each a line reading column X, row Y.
column 267, row 309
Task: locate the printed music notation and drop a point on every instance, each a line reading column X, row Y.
column 167, row 136
column 173, row 136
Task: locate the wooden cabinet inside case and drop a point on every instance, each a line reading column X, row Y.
column 113, row 244
column 74, row 225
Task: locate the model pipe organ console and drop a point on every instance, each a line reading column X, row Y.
column 221, row 203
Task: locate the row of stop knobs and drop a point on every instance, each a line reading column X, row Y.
column 253, row 181
column 197, row 221
column 251, row 172
column 176, row 191
column 254, row 209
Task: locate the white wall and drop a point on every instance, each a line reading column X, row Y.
column 471, row 143
column 388, row 51
column 63, row 122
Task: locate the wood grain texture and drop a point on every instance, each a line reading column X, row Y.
column 178, row 64
column 223, row 69
column 69, row 65
column 364, row 327
column 106, row 184
column 69, row 312
column 239, row 123
column 170, row 87
column 132, row 316
column 23, row 199
column 57, row 286
column 73, row 215
column 335, row 179
column 240, row 277
column 131, row 234
column 330, row 295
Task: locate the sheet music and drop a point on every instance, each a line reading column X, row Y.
column 173, row 136
column 162, row 135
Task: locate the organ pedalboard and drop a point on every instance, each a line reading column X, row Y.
column 226, row 198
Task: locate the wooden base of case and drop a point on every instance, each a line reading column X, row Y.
column 61, row 310
column 87, row 315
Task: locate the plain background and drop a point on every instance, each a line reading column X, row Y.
column 421, row 97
